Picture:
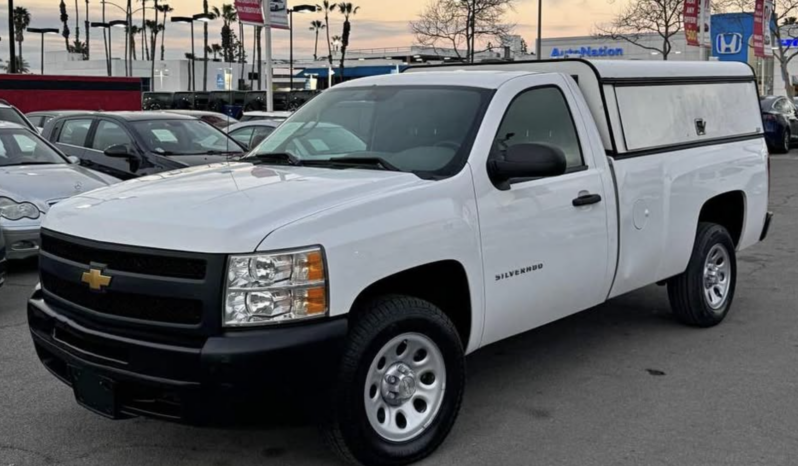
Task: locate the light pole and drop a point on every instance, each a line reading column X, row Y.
column 119, row 23
column 538, row 47
column 12, row 65
column 203, row 18
column 189, row 20
column 291, row 11
column 43, row 31
column 105, row 27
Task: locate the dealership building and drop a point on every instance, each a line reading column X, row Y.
column 731, row 38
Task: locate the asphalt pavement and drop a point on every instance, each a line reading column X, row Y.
column 621, row 384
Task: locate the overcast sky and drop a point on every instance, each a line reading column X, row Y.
column 379, row 23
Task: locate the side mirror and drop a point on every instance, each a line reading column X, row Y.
column 120, row 151
column 535, row 160
column 73, row 160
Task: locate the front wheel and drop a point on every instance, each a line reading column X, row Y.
column 400, row 385
column 702, row 295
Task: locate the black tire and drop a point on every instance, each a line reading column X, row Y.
column 347, row 428
column 686, row 292
column 784, row 145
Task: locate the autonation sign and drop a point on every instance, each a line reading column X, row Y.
column 587, row 51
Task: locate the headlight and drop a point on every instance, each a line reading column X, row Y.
column 14, row 210
column 269, row 288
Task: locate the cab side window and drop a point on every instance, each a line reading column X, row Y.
column 74, row 132
column 109, row 134
column 540, row 116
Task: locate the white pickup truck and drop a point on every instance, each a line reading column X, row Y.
column 394, row 225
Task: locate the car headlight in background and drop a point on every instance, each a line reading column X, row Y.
column 14, row 210
column 270, row 288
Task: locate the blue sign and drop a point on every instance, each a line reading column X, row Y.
column 587, row 51
column 789, row 42
column 731, row 36
column 220, row 81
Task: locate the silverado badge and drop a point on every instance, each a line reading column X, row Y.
column 95, row 279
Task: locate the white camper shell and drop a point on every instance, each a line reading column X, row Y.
column 644, row 107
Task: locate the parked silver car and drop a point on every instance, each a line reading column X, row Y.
column 34, row 176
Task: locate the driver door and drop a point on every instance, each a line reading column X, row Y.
column 544, row 253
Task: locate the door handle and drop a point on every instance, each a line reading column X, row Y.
column 586, row 199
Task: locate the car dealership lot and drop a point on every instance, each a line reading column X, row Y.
column 622, row 384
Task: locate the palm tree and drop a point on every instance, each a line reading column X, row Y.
column 134, row 31
column 327, row 7
column 165, row 9
column 229, row 16
column 242, row 49
column 346, row 9
column 78, row 48
column 143, row 31
column 87, row 25
column 65, row 20
column 205, row 10
column 336, row 41
column 21, row 22
column 316, row 26
column 22, row 66
column 215, row 49
column 153, row 29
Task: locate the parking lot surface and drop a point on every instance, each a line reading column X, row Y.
column 620, row 384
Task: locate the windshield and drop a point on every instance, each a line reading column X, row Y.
column 21, row 147
column 422, row 129
column 13, row 116
column 184, row 137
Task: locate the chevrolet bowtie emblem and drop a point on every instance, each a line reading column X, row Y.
column 95, row 279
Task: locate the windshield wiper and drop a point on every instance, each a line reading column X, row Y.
column 378, row 162
column 278, row 157
column 28, row 163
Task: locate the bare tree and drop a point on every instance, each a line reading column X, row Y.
column 640, row 18
column 462, row 24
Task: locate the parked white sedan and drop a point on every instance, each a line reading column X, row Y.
column 34, row 176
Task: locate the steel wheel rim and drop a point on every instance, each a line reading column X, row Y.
column 717, row 277
column 404, row 387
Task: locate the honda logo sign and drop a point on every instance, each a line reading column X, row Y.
column 729, row 43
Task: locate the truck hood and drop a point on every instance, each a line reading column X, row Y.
column 222, row 208
column 44, row 185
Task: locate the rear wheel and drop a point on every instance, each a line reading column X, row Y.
column 702, row 295
column 784, row 146
column 400, row 384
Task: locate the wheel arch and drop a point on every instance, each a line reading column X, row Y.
column 443, row 283
column 728, row 210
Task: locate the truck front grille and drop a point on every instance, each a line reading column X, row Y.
column 148, row 264
column 128, row 305
column 151, row 294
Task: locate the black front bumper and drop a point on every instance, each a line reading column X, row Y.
column 192, row 383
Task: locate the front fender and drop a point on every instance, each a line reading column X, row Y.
column 376, row 237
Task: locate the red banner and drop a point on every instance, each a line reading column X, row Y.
column 250, row 12
column 690, row 15
column 759, row 28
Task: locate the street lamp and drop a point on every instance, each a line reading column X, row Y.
column 291, row 11
column 124, row 24
column 12, row 64
column 189, row 20
column 43, row 31
column 106, row 26
column 203, row 18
